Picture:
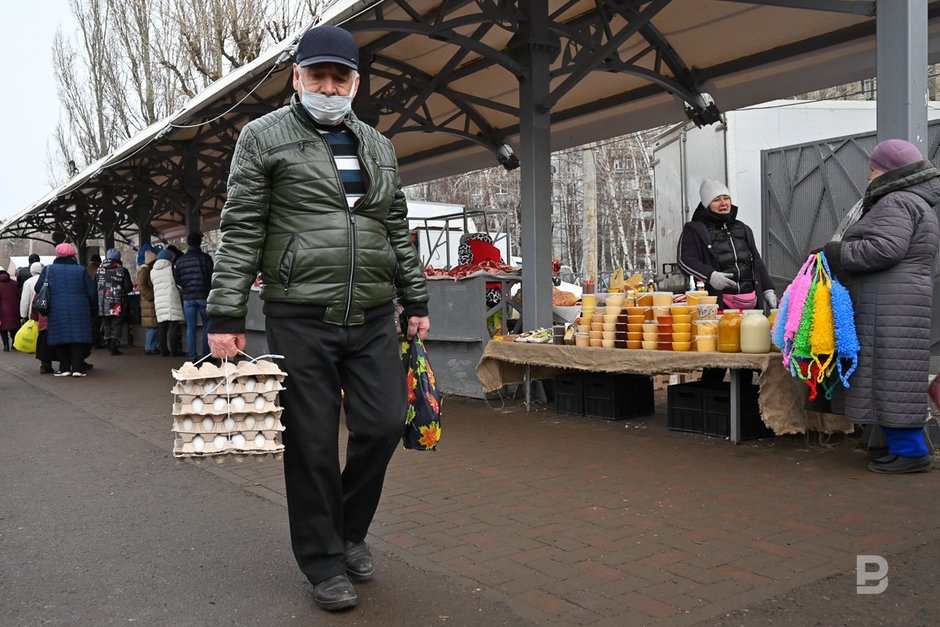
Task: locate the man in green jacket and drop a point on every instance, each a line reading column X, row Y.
column 315, row 203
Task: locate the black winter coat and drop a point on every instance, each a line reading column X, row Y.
column 193, row 272
column 697, row 258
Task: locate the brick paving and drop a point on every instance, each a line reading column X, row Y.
column 583, row 521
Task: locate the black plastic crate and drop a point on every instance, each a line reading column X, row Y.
column 716, row 405
column 569, row 393
column 685, row 407
column 618, row 396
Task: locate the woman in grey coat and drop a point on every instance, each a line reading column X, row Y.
column 887, row 259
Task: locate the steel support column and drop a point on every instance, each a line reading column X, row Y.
column 535, row 181
column 902, row 71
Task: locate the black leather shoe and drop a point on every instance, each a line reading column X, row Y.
column 877, row 452
column 899, row 465
column 359, row 563
column 335, row 593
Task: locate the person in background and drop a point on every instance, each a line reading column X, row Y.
column 167, row 304
column 194, row 276
column 886, row 260
column 114, row 283
column 94, row 262
column 718, row 249
column 175, row 252
column 23, row 274
column 328, row 228
column 72, row 299
column 148, row 313
column 43, row 353
column 9, row 309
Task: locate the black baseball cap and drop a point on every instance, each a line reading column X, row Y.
column 327, row 44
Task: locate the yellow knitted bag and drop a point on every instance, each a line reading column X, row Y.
column 822, row 338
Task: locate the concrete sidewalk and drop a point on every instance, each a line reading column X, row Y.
column 585, row 521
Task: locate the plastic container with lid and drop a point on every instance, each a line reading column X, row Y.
column 729, row 331
column 755, row 332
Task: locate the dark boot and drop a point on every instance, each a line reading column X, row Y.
column 113, row 345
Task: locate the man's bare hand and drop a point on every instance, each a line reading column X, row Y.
column 419, row 325
column 226, row 345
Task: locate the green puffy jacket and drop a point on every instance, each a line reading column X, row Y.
column 286, row 215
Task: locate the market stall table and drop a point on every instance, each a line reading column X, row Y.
column 781, row 397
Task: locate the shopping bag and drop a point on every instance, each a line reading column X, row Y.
column 25, row 339
column 422, row 429
column 41, row 303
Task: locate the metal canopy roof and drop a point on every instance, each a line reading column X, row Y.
column 442, row 79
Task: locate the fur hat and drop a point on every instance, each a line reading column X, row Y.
column 892, row 154
column 65, row 250
column 113, row 254
column 712, row 189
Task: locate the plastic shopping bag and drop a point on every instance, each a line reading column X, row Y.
column 25, row 339
column 423, row 417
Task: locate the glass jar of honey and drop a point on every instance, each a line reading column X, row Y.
column 729, row 331
column 772, row 319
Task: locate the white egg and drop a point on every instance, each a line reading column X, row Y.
column 239, row 441
column 209, row 386
column 207, row 424
column 269, row 421
column 187, row 424
column 218, row 404
column 238, row 403
column 219, row 442
column 250, row 385
column 270, row 384
column 229, row 423
column 198, row 444
column 188, row 386
column 260, row 402
column 197, row 404
column 260, row 440
column 230, row 387
column 249, row 422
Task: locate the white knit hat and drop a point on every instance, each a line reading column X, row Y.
column 712, row 189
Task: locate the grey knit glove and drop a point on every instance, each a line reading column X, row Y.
column 721, row 281
column 770, row 297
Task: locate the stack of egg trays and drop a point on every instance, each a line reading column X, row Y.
column 227, row 411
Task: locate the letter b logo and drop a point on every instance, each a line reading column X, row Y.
column 864, row 577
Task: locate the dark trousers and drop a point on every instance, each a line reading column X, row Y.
column 7, row 336
column 112, row 328
column 168, row 333
column 72, row 356
column 326, row 506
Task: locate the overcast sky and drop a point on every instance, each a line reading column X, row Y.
column 29, row 108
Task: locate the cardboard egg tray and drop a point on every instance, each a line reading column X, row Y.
column 215, row 407
column 235, row 423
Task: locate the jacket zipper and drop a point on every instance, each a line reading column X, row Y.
column 352, row 264
column 290, row 270
column 301, row 144
column 734, row 251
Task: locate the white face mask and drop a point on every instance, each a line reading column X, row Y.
column 328, row 110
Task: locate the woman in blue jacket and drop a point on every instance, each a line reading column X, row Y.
column 72, row 298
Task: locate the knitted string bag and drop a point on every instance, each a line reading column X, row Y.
column 780, row 324
column 799, row 289
column 822, row 337
column 801, row 357
column 843, row 314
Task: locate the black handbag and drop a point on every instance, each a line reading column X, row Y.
column 42, row 302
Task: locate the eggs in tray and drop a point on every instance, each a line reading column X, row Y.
column 227, row 411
